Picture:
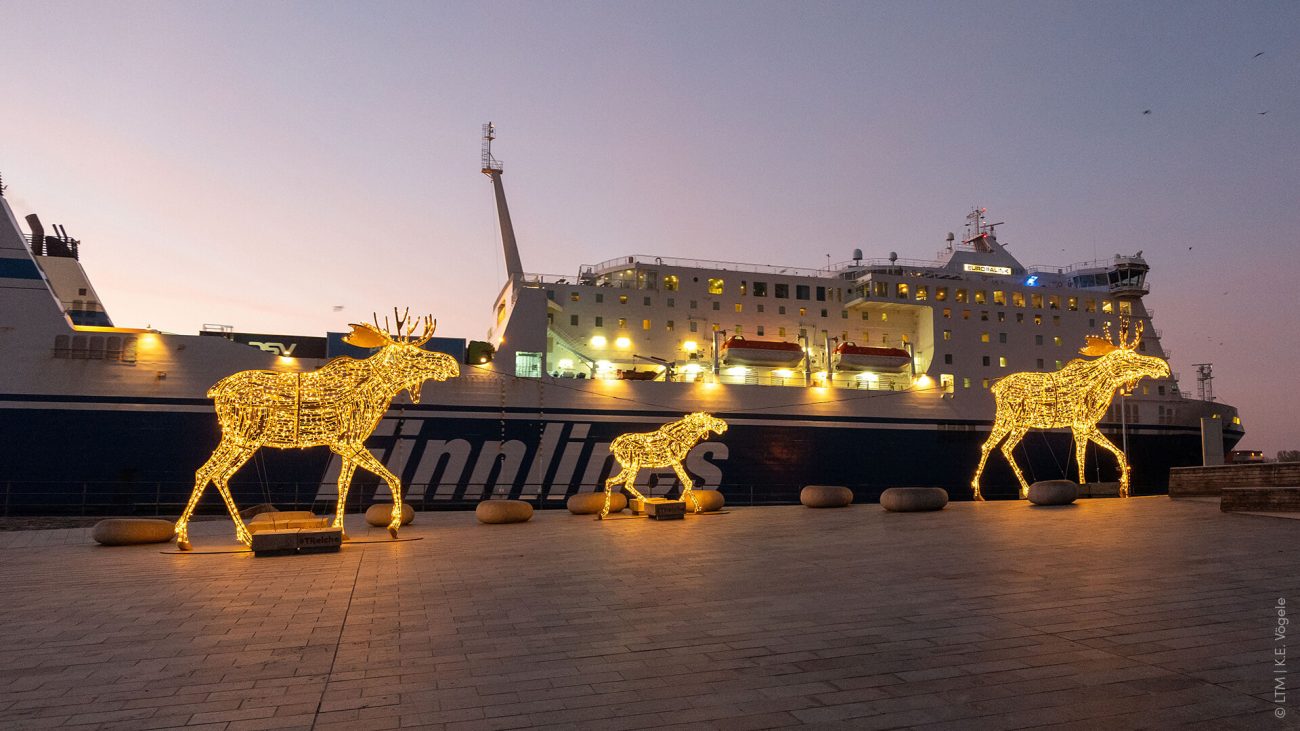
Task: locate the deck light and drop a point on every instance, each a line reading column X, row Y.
column 690, row 346
column 622, row 343
column 598, row 341
column 337, row 406
column 1076, row 396
column 665, row 447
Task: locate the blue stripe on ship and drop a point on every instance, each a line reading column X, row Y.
column 18, row 269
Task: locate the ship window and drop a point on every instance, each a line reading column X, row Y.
column 501, row 312
column 984, row 382
column 945, row 381
column 528, row 365
column 760, row 289
column 782, row 291
column 739, row 307
column 550, row 318
column 984, row 337
column 947, row 313
column 622, row 299
column 622, row 322
column 1106, row 306
column 600, row 297
column 1039, row 364
column 947, row 358
column 880, row 289
column 740, row 329
column 823, row 313
column 803, row 311
column 941, row 293
column 669, row 325
column 1036, row 300
column 1002, row 361
column 61, row 346
column 1002, row 316
column 715, row 285
column 645, row 301
column 965, row 314
column 645, row 324
column 999, row 297
column 1054, row 302
column 905, row 340
column 1017, row 299
column 821, row 294
column 717, row 306
column 715, row 327
column 981, row 297
column 574, row 296
column 1020, row 317
column 780, row 332
column 781, row 310
column 573, row 320
column 114, row 349
column 1058, row 365
column 1090, row 305
column 884, row 317
column 801, row 291
column 947, row 334
column 1038, row 340
column 1160, row 390
column 1072, row 304
column 864, row 315
column 902, row 291
column 1057, row 341
column 1092, row 322
column 78, row 346
column 1038, row 319
column 670, row 283
column 922, row 293
column 672, row 301
column 694, row 304
column 744, row 287
column 965, row 382
column 695, row 326
column 600, row 321
column 1056, row 320
column 1002, row 337
column 960, row 295
column 844, row 314
column 1142, row 346
column 985, row 360
column 550, row 294
column 1125, row 308
column 760, row 330
column 984, row 315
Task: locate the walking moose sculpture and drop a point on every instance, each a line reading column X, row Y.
column 1076, row 396
column 336, row 406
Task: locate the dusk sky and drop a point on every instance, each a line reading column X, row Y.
column 259, row 164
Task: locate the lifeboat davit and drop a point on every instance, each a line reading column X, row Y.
column 850, row 357
column 768, row 353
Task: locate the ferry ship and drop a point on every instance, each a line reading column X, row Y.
column 872, row 373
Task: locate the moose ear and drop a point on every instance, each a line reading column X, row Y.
column 365, row 336
column 1097, row 346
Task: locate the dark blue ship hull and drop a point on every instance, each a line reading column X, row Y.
column 138, row 457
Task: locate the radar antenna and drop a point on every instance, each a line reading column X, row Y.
column 490, row 164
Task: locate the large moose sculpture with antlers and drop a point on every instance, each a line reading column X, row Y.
column 336, row 406
column 1076, row 396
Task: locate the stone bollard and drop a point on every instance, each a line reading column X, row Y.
column 590, row 503
column 379, row 514
column 913, row 499
column 132, row 531
column 1053, row 492
column 503, row 511
column 825, row 496
column 710, row 501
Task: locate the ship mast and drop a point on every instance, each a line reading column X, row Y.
column 492, row 169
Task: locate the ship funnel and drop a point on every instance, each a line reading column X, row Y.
column 38, row 234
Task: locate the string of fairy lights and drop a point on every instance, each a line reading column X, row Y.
column 667, row 446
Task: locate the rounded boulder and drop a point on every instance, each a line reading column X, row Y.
column 710, row 501
column 1053, row 492
column 913, row 499
column 132, row 531
column 503, row 511
column 826, row 496
column 379, row 514
column 590, row 503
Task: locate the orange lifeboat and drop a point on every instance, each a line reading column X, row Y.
column 851, row 357
column 767, row 353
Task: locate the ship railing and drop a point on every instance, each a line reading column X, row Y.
column 53, row 504
column 623, row 262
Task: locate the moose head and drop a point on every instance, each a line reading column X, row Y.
column 1125, row 365
column 706, row 422
column 402, row 357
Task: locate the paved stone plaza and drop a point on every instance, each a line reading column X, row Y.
column 1107, row 614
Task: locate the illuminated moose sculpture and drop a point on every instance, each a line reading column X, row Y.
column 664, row 447
column 1076, row 396
column 335, row 406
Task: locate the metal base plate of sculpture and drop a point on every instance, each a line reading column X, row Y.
column 667, row 446
column 336, row 406
column 1077, row 396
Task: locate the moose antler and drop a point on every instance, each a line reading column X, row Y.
column 1123, row 332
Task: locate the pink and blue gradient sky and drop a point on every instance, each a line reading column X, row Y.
column 257, row 164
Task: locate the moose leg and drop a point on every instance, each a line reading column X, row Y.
column 1101, row 441
column 998, row 433
column 346, row 468
column 609, row 484
column 222, row 480
column 1080, row 450
column 1012, row 440
column 202, row 477
column 687, row 486
column 367, row 461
